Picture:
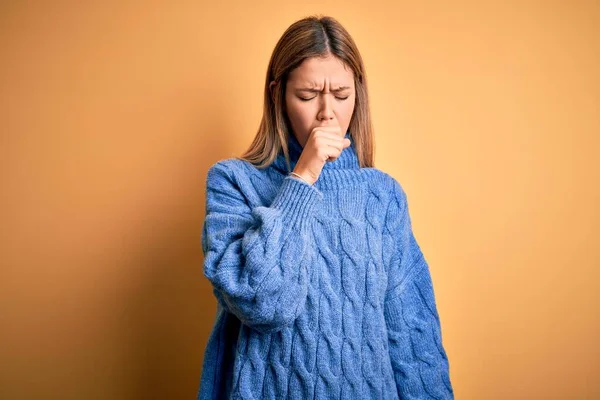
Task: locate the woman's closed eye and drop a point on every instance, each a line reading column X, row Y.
column 339, row 98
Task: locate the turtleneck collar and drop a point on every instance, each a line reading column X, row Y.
column 342, row 172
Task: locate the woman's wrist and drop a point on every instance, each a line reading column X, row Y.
column 293, row 173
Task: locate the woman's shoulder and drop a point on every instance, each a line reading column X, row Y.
column 231, row 167
column 383, row 181
column 232, row 164
column 235, row 173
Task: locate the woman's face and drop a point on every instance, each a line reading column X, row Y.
column 319, row 92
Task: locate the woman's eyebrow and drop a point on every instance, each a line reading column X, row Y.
column 312, row 90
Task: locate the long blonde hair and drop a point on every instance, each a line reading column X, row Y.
column 312, row 36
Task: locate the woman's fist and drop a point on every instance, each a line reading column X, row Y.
column 324, row 144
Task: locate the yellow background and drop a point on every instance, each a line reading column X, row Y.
column 111, row 113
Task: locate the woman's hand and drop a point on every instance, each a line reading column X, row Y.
column 324, row 144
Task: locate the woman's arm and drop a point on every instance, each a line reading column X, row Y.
column 257, row 259
column 419, row 361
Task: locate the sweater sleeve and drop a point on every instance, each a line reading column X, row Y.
column 419, row 360
column 257, row 258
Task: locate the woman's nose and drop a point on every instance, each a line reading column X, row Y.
column 326, row 111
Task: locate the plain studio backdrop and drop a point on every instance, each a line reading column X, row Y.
column 112, row 112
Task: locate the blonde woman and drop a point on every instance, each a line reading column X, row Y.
column 322, row 289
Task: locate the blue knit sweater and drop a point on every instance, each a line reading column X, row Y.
column 322, row 291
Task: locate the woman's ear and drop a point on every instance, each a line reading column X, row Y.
column 271, row 88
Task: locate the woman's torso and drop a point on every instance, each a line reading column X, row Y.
column 337, row 347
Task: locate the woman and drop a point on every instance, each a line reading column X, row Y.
column 322, row 289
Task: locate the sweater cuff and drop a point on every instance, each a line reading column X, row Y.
column 297, row 201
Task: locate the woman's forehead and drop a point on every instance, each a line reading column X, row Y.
column 314, row 73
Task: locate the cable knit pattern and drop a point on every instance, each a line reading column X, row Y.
column 322, row 290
